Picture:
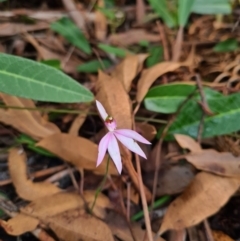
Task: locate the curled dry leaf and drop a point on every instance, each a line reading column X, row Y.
column 25, row 188
column 146, row 130
column 151, row 74
column 220, row 236
column 127, row 70
column 79, row 151
column 111, row 93
column 61, row 202
column 133, row 36
column 19, row 224
column 73, row 225
column 78, row 121
column 188, row 142
column 204, row 197
column 224, row 164
column 28, row 122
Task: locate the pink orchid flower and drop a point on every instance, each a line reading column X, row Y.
column 109, row 141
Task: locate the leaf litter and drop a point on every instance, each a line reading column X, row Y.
column 201, row 175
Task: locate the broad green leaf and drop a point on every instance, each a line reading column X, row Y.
column 184, row 10
column 55, row 63
column 119, row 52
column 72, row 33
column 161, row 8
column 94, row 65
column 225, row 119
column 144, row 43
column 155, row 56
column 226, row 46
column 30, row 79
column 212, row 7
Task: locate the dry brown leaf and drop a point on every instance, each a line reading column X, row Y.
column 19, row 224
column 172, row 179
column 79, row 151
column 100, row 22
column 131, row 37
column 120, row 228
column 78, row 121
column 127, row 70
column 187, row 142
column 60, row 202
column 220, row 236
column 25, row 188
column 151, row 74
column 73, row 225
column 10, row 29
column 204, row 197
column 224, row 164
column 111, row 93
column 146, row 130
column 28, row 122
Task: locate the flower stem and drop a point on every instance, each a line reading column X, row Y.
column 101, row 185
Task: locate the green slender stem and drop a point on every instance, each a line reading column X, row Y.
column 156, row 204
column 69, row 111
column 101, row 185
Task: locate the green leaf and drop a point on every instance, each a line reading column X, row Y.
column 119, row 52
column 184, row 10
column 109, row 14
column 24, row 139
column 167, row 98
column 30, row 79
column 224, row 121
column 226, row 46
column 94, row 65
column 212, row 7
column 156, row 56
column 55, row 63
column 144, row 43
column 72, row 33
column 160, row 7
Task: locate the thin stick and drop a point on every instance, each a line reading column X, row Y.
column 143, row 197
column 101, row 186
column 164, row 41
column 159, row 147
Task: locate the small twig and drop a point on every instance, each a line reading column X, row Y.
column 205, row 108
column 159, row 147
column 68, row 56
column 76, row 15
column 143, row 197
column 164, row 41
column 101, row 186
column 128, row 200
column 208, row 231
column 177, row 47
column 73, row 179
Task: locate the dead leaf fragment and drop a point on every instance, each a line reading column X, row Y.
column 111, row 93
column 131, row 37
column 28, row 122
column 220, row 236
column 224, row 164
column 73, row 225
column 151, row 74
column 19, row 224
column 79, row 151
column 100, row 22
column 205, row 196
column 127, row 70
column 187, row 142
column 146, row 130
column 25, row 188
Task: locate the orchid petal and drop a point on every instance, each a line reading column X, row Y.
column 132, row 134
column 130, row 144
column 101, row 110
column 102, row 148
column 114, row 152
